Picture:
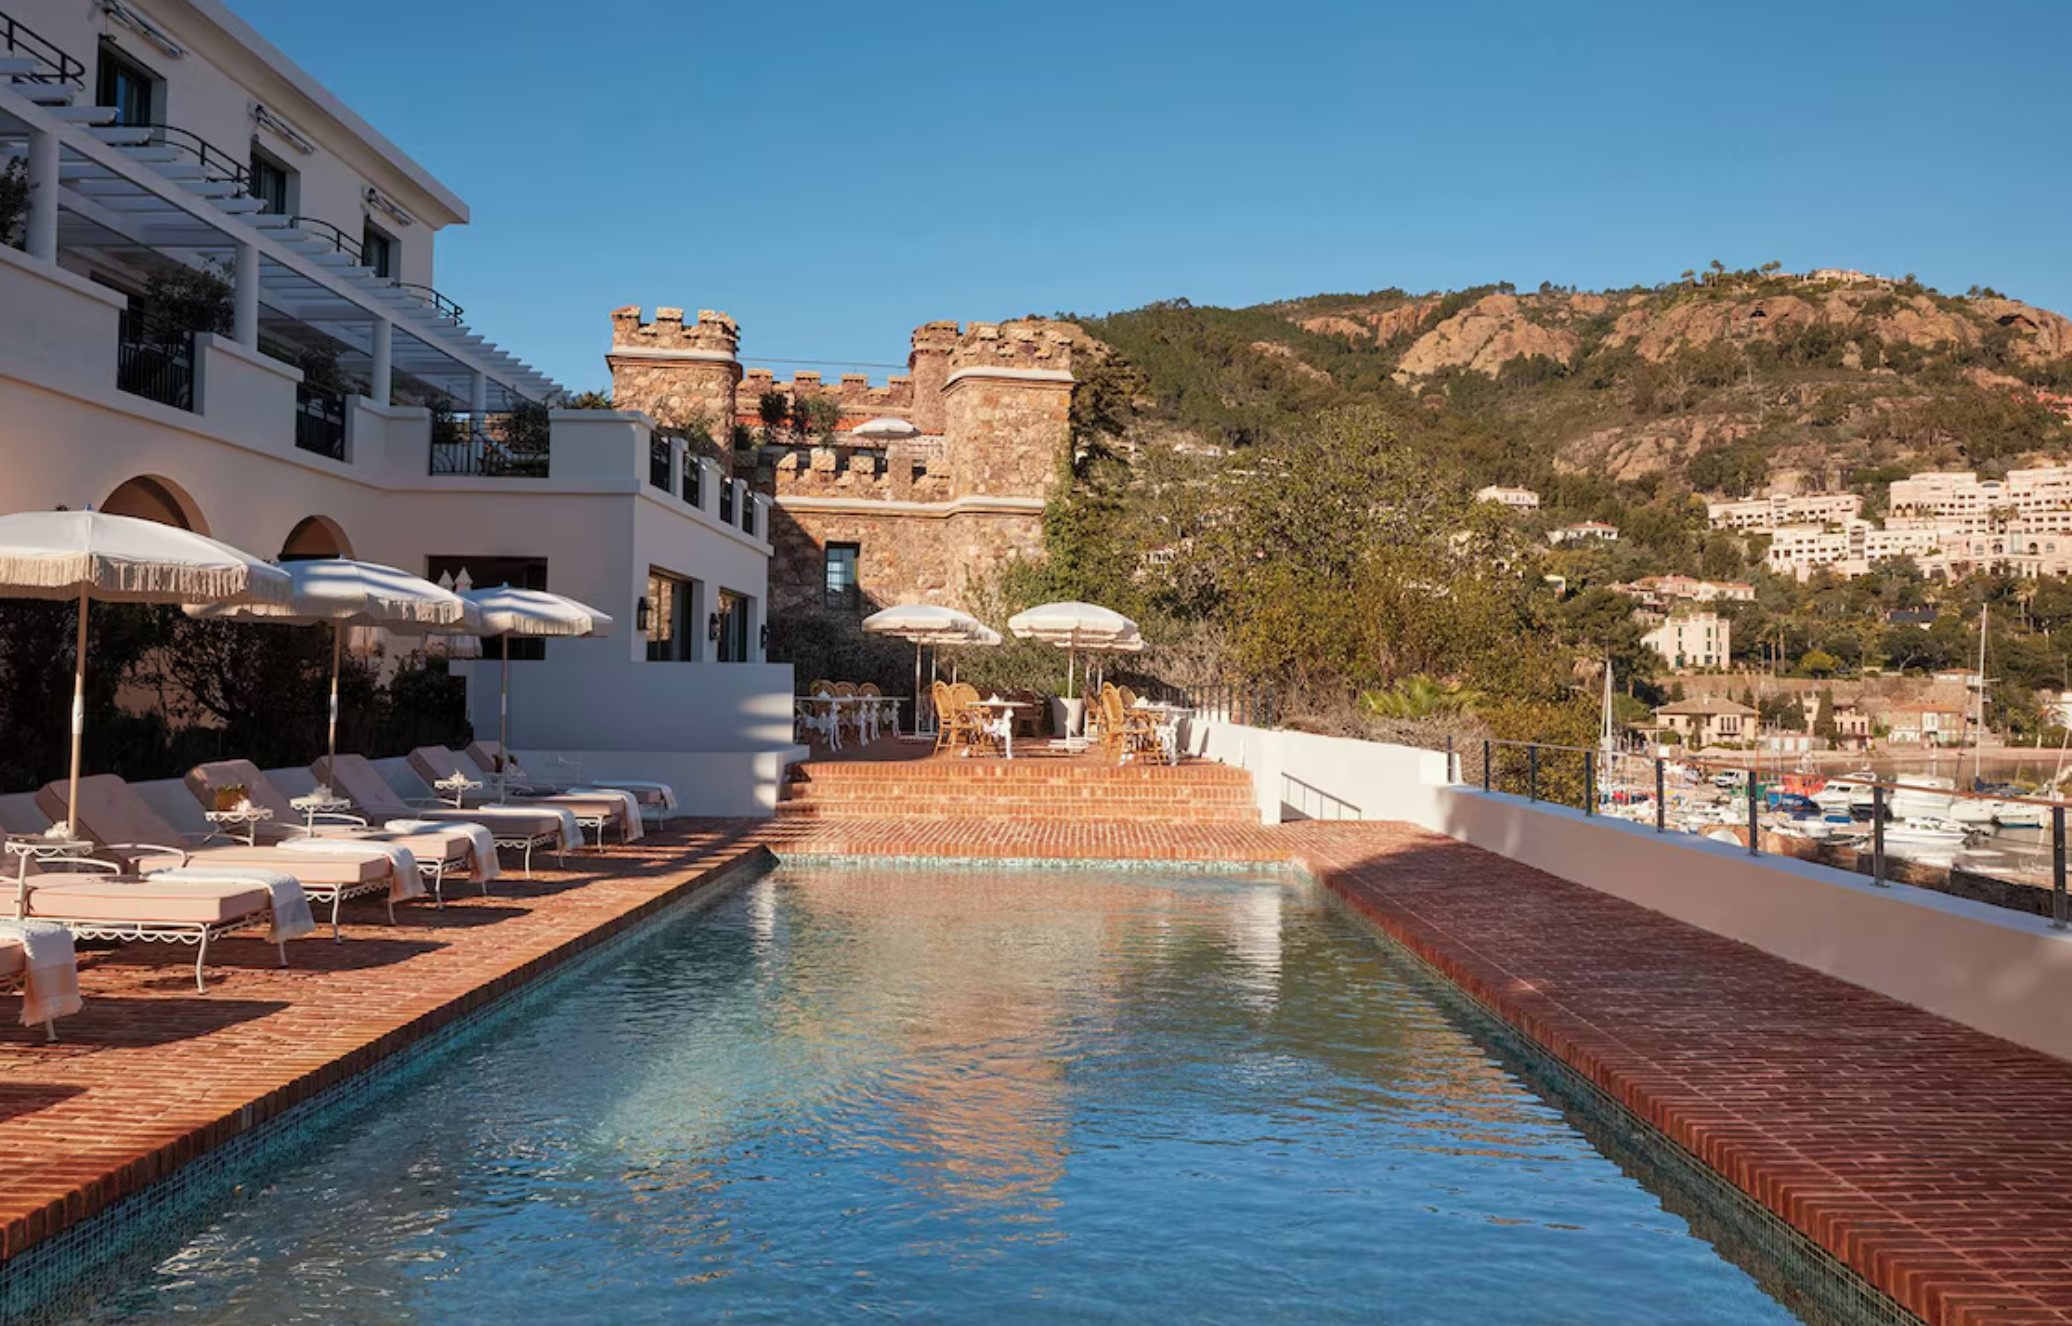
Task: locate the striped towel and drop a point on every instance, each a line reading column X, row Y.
column 50, row 986
column 487, row 867
column 404, row 883
column 571, row 832
column 291, row 914
column 630, row 803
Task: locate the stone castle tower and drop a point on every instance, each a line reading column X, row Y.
column 924, row 510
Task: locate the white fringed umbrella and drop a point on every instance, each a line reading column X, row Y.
column 1076, row 626
column 924, row 624
column 346, row 593
column 91, row 555
column 535, row 613
column 885, row 429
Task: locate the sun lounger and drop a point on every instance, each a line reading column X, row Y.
column 141, row 842
column 596, row 811
column 355, row 778
column 37, row 962
column 656, row 798
column 436, row 851
column 92, row 899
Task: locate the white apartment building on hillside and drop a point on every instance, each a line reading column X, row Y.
column 1585, row 532
column 1694, row 640
column 1959, row 493
column 1759, row 515
column 1518, row 499
column 349, row 408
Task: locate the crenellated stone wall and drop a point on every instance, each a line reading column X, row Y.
column 930, row 514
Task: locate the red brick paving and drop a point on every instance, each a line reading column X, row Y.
column 1930, row 1158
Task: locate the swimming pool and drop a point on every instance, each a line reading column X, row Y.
column 964, row 1095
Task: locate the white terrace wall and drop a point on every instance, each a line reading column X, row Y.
column 2003, row 972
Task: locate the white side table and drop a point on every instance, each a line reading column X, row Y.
column 228, row 822
column 455, row 789
column 319, row 803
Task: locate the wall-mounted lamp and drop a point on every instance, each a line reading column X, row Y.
column 640, row 615
column 762, row 639
column 712, row 627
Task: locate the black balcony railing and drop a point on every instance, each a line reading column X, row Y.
column 726, row 502
column 217, row 166
column 339, row 241
column 441, row 305
column 320, row 421
column 693, row 489
column 486, row 445
column 154, row 363
column 53, row 65
column 658, row 462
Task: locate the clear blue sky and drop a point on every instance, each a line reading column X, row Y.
column 834, row 174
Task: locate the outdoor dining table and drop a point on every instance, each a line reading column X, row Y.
column 868, row 710
column 1170, row 717
column 1005, row 722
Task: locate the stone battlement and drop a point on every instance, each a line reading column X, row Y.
column 858, row 398
column 710, row 332
column 906, row 472
column 1028, row 343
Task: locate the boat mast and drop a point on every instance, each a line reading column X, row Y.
column 1978, row 708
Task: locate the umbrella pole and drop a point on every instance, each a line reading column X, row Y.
column 78, row 721
column 331, row 728
column 503, row 725
column 917, row 686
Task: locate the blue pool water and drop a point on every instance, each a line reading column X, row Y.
column 971, row 1097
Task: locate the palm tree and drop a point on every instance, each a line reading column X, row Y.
column 1419, row 696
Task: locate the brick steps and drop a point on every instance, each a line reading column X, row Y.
column 1037, row 791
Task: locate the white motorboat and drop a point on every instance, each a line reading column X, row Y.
column 1850, row 792
column 1923, row 797
column 2019, row 815
column 1974, row 811
column 1926, row 841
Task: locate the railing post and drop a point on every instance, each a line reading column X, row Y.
column 1487, row 781
column 1661, row 804
column 1755, row 829
column 1878, row 834
column 1532, row 772
column 1589, row 782
column 2057, row 868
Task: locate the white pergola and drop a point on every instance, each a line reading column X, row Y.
column 116, row 189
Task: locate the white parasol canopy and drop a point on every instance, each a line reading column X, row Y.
column 886, row 429
column 528, row 612
column 91, row 555
column 924, row 624
column 1076, row 626
column 346, row 593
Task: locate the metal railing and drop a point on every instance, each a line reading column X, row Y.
column 154, row 363
column 1868, row 824
column 441, row 305
column 319, row 421
column 317, row 228
column 1314, row 803
column 480, row 445
column 20, row 40
column 217, row 166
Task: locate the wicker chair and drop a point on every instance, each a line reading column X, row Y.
column 1125, row 730
column 954, row 724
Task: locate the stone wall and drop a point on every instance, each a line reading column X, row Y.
column 682, row 376
column 901, row 557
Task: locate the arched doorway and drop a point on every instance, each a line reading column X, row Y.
column 148, row 497
column 313, row 537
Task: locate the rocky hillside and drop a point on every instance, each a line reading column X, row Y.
column 1716, row 383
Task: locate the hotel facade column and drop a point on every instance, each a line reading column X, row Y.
column 380, row 382
column 478, row 396
column 42, row 235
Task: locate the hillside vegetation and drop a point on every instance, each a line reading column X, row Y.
column 1282, row 492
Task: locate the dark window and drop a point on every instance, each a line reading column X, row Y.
column 484, row 572
column 273, row 184
column 670, row 604
column 128, row 87
column 842, row 590
column 378, row 251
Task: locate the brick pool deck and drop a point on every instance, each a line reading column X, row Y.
column 1928, row 1157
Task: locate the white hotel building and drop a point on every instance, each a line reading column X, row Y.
column 159, row 134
